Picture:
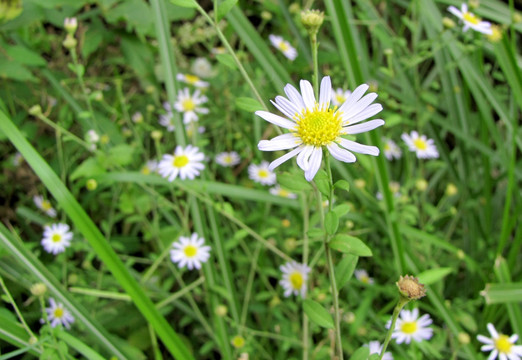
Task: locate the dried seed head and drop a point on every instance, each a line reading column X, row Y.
column 410, row 287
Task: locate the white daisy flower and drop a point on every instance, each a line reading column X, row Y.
column 56, row 238
column 150, row 167
column 44, row 205
column 92, row 136
column 470, row 20
column 18, row 159
column 137, row 117
column 391, row 150
column 58, row 314
column 190, row 252
column 70, row 24
column 261, row 173
column 376, row 347
column 191, row 127
column 409, row 326
column 423, row 147
column 192, row 80
column 339, row 96
column 279, row 191
column 218, row 50
column 362, row 276
column 284, row 46
column 202, row 67
column 500, row 345
column 187, row 163
column 167, row 120
column 228, row 159
column 294, row 279
column 189, row 105
column 314, row 126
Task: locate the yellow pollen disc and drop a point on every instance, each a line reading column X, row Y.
column 262, row 173
column 188, row 105
column 471, row 18
column 46, row 205
column 409, row 327
column 190, row 251
column 387, row 146
column 145, row 171
column 56, row 238
column 503, row 345
column 58, row 313
column 340, row 98
column 318, row 127
column 283, row 193
column 180, row 161
column 420, row 144
column 191, row 79
column 296, row 279
column 228, row 159
column 283, row 46
column 238, row 341
column 365, row 279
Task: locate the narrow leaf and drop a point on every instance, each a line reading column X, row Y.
column 350, row 245
column 318, row 314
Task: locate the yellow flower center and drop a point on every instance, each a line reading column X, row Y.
column 283, row 46
column 340, row 98
column 188, row 105
column 56, row 238
column 191, row 79
column 283, row 193
column 46, row 205
column 503, row 345
column 365, row 279
column 318, row 127
column 409, row 327
column 145, row 170
column 238, row 341
column 58, row 313
column 180, row 161
column 471, row 18
column 296, row 280
column 228, row 159
column 190, row 251
column 263, row 173
column 387, row 147
column 420, row 144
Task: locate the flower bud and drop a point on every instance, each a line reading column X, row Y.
column 69, row 42
column 221, row 310
column 91, row 184
column 238, row 341
column 38, row 289
column 410, row 288
column 464, row 338
column 35, row 110
column 156, row 135
column 312, row 20
column 70, row 25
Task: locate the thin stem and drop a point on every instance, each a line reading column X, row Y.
column 400, row 304
column 330, row 265
column 79, row 75
column 306, row 222
column 315, row 76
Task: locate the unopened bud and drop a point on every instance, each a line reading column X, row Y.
column 91, row 184
column 70, row 25
column 421, row 184
column 464, row 338
column 312, row 20
column 35, row 110
column 156, row 135
column 238, row 341
column 38, row 289
column 69, row 42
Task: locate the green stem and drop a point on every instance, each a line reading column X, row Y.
column 306, row 222
column 330, row 265
column 400, row 304
column 315, row 76
column 79, row 75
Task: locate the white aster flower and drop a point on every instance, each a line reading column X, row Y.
column 189, row 105
column 470, row 20
column 218, row 50
column 409, row 326
column 339, row 96
column 44, row 205
column 314, row 126
column 423, row 147
column 70, row 24
column 186, row 162
column 362, row 276
column 18, row 159
column 58, row 314
column 391, row 150
column 167, row 120
column 202, row 67
column 279, row 191
column 261, row 173
column 137, row 117
column 294, row 279
column 500, row 345
column 150, row 167
column 92, row 136
column 192, row 80
column 284, row 46
column 376, row 347
column 190, row 252
column 56, row 238
column 228, row 159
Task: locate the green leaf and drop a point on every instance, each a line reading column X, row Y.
column 342, row 209
column 227, row 60
column 350, row 245
column 315, row 233
column 344, row 270
column 361, row 353
column 293, row 181
column 322, row 183
column 432, row 276
column 318, row 314
column 248, row 104
column 224, row 8
column 15, row 71
column 185, row 3
column 331, row 222
column 24, row 56
column 342, row 184
column 89, row 168
column 502, row 293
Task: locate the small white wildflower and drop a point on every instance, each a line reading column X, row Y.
column 190, row 252
column 375, row 347
column 44, row 205
column 391, row 150
column 58, row 314
column 362, row 276
column 470, row 20
column 279, row 191
column 339, row 96
column 228, row 159
column 262, row 174
column 202, row 67
column 500, row 345
column 423, row 147
column 409, row 326
column 189, row 105
column 56, row 238
column 284, row 46
column 150, row 167
column 192, row 80
column 186, row 162
column 295, row 277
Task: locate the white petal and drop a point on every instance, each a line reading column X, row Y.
column 365, row 114
column 452, row 9
column 285, row 106
column 354, row 97
column 281, row 142
column 492, row 330
column 361, row 105
column 294, row 97
column 304, row 155
column 315, row 163
column 284, row 158
column 341, row 154
column 308, row 94
column 359, row 148
column 276, row 120
column 364, row 127
column 325, row 94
